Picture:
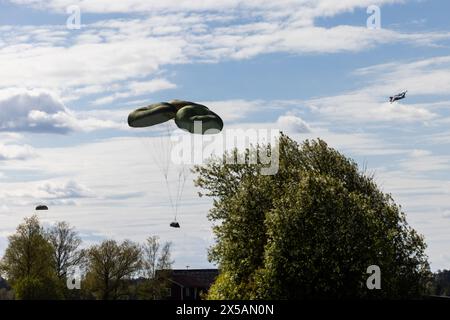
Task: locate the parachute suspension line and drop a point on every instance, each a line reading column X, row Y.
column 175, row 189
column 166, row 149
column 169, row 193
column 180, row 188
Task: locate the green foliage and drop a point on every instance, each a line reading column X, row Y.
column 28, row 253
column 108, row 265
column 441, row 283
column 27, row 262
column 152, row 289
column 309, row 231
column 34, row 288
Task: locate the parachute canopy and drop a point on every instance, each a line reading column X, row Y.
column 151, row 115
column 41, row 207
column 186, row 114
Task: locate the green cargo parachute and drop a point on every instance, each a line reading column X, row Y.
column 189, row 116
column 186, row 115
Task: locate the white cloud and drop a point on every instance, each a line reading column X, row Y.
column 428, row 78
column 417, row 153
column 54, row 192
column 311, row 7
column 426, row 162
column 42, row 111
column 32, row 110
column 16, row 152
column 107, row 53
column 64, row 190
column 293, row 124
column 353, row 143
column 137, row 88
column 421, row 77
column 234, row 110
column 440, row 138
column 142, row 87
column 446, row 214
column 363, row 106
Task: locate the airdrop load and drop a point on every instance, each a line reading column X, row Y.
column 174, row 224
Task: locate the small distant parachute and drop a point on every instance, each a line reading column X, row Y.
column 400, row 96
column 41, row 207
column 185, row 113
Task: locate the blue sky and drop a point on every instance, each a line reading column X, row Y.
column 310, row 68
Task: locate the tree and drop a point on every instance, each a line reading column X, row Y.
column 155, row 258
column 65, row 243
column 441, row 283
column 309, row 231
column 109, row 264
column 165, row 261
column 150, row 256
column 27, row 262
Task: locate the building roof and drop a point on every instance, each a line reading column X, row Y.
column 194, row 278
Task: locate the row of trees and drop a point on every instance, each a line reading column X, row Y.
column 38, row 261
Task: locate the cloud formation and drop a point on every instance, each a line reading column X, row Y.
column 426, row 79
column 40, row 111
column 293, row 124
column 64, row 190
column 311, row 8
column 136, row 88
column 106, row 54
column 16, row 152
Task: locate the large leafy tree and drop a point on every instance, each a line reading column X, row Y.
column 27, row 263
column 109, row 265
column 309, row 231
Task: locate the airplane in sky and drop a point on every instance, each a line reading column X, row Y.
column 401, row 95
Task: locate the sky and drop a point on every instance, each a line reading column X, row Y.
column 314, row 69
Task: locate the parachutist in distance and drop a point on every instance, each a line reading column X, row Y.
column 400, row 96
column 41, row 207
